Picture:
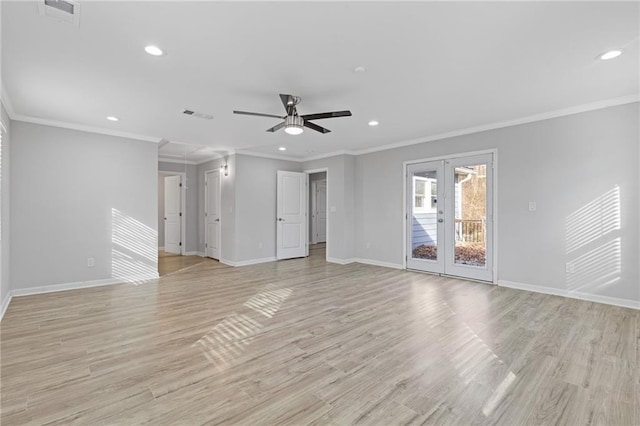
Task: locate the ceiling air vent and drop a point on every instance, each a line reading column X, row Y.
column 61, row 10
column 197, row 114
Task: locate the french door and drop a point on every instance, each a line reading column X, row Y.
column 450, row 216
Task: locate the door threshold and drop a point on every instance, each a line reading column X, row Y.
column 475, row 280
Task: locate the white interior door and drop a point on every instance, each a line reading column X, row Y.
column 212, row 214
column 450, row 216
column 172, row 214
column 319, row 211
column 291, row 211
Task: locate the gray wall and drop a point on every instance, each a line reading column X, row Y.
column 191, row 215
column 5, row 245
column 341, row 196
column 566, row 165
column 248, row 205
column 77, row 195
column 161, row 209
column 256, row 184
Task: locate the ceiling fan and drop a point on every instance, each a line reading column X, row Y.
column 293, row 123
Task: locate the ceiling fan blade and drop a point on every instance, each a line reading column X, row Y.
column 259, row 114
column 315, row 127
column 322, row 115
column 288, row 102
column 276, row 127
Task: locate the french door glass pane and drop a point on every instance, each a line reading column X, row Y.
column 424, row 238
column 470, row 206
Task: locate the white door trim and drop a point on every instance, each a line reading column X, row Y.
column 406, row 163
column 204, row 211
column 310, row 172
column 183, row 196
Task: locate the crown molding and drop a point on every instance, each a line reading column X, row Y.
column 175, row 159
column 271, row 156
column 83, row 128
column 213, row 157
column 6, row 101
column 509, row 123
column 470, row 130
column 329, row 154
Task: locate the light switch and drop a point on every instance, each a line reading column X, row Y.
column 532, row 206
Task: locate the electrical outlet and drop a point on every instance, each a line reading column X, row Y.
column 91, row 262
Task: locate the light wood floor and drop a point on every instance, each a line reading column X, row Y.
column 306, row 342
column 169, row 263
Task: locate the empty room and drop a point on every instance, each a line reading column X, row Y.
column 319, row 213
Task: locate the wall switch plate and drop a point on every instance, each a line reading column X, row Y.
column 91, row 262
column 333, row 209
column 532, row 206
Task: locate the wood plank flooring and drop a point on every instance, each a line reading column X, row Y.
column 169, row 263
column 305, row 342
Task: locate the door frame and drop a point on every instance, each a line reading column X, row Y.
column 313, row 189
column 204, row 210
column 494, row 188
column 183, row 207
column 309, row 173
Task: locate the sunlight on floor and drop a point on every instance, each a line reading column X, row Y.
column 227, row 340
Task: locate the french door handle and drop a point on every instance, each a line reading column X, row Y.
column 217, row 220
column 440, row 220
column 280, row 219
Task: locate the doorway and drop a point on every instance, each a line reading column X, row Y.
column 171, row 217
column 212, row 200
column 449, row 226
column 318, row 208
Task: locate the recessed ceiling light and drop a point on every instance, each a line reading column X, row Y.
column 373, row 123
column 153, row 50
column 282, row 148
column 609, row 55
column 112, row 118
column 359, row 70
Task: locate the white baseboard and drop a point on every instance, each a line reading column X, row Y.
column 160, row 248
column 5, row 305
column 340, row 261
column 379, row 263
column 625, row 303
column 247, row 262
column 194, row 253
column 81, row 284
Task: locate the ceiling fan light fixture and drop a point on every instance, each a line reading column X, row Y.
column 293, row 125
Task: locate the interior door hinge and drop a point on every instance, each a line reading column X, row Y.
column 180, row 243
column 180, row 214
column 206, row 245
column 206, row 214
column 180, row 185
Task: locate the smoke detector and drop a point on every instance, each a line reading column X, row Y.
column 61, row 10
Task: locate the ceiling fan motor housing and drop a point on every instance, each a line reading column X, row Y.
column 293, row 124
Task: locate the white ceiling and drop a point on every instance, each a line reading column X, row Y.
column 431, row 67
